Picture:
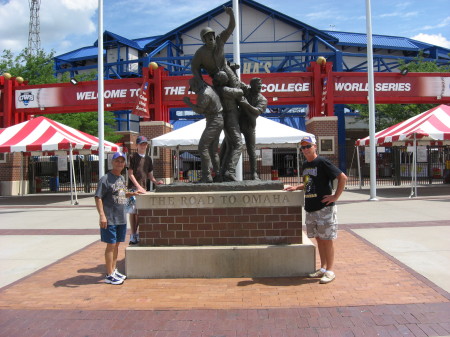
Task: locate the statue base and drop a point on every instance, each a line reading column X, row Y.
column 221, row 261
column 256, row 233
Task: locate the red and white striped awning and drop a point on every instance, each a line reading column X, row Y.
column 432, row 126
column 43, row 134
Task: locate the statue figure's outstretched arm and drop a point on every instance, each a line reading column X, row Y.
column 225, row 35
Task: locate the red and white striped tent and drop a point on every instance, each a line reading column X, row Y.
column 432, row 127
column 45, row 135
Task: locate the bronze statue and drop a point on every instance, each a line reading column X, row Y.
column 208, row 103
column 252, row 105
column 231, row 148
column 211, row 56
column 239, row 111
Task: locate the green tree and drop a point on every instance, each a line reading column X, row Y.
column 87, row 122
column 390, row 114
column 35, row 69
column 39, row 69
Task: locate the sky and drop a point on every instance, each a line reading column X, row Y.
column 66, row 25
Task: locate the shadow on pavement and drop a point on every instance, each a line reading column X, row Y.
column 278, row 281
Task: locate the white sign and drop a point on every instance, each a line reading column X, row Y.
column 62, row 163
column 422, row 154
column 267, row 157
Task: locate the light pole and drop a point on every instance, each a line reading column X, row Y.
column 371, row 98
column 101, row 115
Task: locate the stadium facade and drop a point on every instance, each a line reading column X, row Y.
column 270, row 42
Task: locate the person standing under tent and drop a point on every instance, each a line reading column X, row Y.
column 139, row 170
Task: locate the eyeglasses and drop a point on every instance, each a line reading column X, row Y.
column 306, row 146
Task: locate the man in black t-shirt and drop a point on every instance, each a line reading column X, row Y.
column 320, row 218
column 139, row 170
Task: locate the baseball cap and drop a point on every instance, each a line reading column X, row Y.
column 119, row 154
column 141, row 139
column 308, row 139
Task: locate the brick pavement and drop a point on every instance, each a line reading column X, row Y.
column 373, row 295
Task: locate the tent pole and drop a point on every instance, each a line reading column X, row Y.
column 359, row 167
column 70, row 175
column 177, row 163
column 151, row 156
column 72, row 178
column 21, row 188
column 414, row 170
column 298, row 163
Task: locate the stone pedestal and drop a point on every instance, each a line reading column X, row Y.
column 220, row 234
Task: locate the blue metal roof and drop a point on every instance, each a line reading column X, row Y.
column 378, row 41
column 145, row 40
column 91, row 52
column 110, row 36
column 79, row 54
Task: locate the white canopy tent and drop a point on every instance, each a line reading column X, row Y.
column 268, row 134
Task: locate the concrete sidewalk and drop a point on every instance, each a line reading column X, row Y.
column 392, row 279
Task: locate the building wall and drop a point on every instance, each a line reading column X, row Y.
column 269, row 32
column 12, row 169
column 323, row 128
column 162, row 168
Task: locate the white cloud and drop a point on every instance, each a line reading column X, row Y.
column 399, row 14
column 436, row 39
column 59, row 21
column 442, row 24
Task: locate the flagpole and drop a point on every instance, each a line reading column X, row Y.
column 237, row 60
column 101, row 116
column 371, row 98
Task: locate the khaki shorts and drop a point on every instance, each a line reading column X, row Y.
column 322, row 224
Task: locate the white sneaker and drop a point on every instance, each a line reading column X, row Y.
column 327, row 277
column 133, row 240
column 112, row 279
column 116, row 274
column 317, row 273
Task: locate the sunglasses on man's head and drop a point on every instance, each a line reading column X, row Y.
column 306, row 146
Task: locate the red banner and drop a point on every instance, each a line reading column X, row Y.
column 274, row 87
column 82, row 94
column 393, row 86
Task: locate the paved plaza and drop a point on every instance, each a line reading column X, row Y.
column 392, row 258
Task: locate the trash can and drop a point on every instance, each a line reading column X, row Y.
column 54, row 184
